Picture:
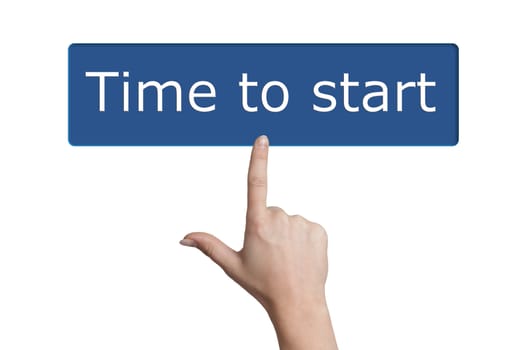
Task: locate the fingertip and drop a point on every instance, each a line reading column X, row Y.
column 262, row 141
column 215, row 249
column 188, row 242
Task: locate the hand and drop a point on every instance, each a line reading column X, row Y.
column 283, row 263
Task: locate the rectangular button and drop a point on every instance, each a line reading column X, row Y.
column 297, row 94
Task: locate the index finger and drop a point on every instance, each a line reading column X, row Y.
column 257, row 176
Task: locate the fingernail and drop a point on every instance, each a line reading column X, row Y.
column 262, row 141
column 188, row 242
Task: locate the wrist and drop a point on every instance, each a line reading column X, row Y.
column 303, row 324
column 298, row 307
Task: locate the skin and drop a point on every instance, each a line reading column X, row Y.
column 283, row 264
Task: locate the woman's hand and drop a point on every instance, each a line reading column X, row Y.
column 283, row 263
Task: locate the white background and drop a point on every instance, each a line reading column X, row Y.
column 426, row 244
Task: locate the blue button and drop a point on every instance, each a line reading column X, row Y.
column 297, row 94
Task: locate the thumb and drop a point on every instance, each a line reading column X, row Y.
column 227, row 258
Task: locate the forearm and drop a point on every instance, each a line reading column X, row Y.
column 303, row 326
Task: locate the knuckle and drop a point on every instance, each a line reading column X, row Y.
column 321, row 232
column 258, row 225
column 320, row 228
column 318, row 231
column 298, row 219
column 276, row 210
column 278, row 214
column 299, row 222
column 209, row 250
column 257, row 181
